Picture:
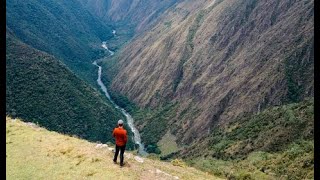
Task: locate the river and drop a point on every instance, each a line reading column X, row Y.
column 104, row 45
column 130, row 121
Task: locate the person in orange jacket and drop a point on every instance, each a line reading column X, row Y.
column 121, row 140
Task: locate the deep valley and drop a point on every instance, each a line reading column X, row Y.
column 225, row 86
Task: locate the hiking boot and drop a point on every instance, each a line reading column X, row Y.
column 114, row 162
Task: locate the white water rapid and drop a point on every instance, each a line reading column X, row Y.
column 137, row 138
column 104, row 45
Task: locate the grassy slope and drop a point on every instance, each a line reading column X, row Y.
column 34, row 152
column 277, row 142
column 41, row 89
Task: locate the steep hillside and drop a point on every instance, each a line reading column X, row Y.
column 275, row 143
column 139, row 14
column 40, row 89
column 218, row 60
column 34, row 152
column 271, row 130
column 64, row 29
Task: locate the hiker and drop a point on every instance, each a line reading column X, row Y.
column 121, row 139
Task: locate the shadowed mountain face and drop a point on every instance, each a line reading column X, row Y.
column 41, row 89
column 64, row 29
column 219, row 60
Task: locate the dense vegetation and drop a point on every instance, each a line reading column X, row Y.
column 155, row 123
column 277, row 142
column 64, row 29
column 39, row 88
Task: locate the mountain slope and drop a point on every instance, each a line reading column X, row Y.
column 64, row 29
column 137, row 13
column 41, row 89
column 219, row 60
column 277, row 143
column 34, row 152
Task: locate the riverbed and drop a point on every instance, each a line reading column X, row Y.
column 129, row 119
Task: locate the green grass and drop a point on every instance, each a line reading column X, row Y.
column 36, row 153
column 167, row 144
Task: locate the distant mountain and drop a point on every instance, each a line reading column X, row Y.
column 218, row 60
column 41, row 89
column 136, row 13
column 64, row 29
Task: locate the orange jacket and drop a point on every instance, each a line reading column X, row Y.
column 121, row 136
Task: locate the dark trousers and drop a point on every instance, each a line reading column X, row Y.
column 121, row 149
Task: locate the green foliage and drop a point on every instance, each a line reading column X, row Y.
column 40, row 89
column 156, row 122
column 272, row 130
column 123, row 101
column 276, row 143
column 62, row 28
column 153, row 148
